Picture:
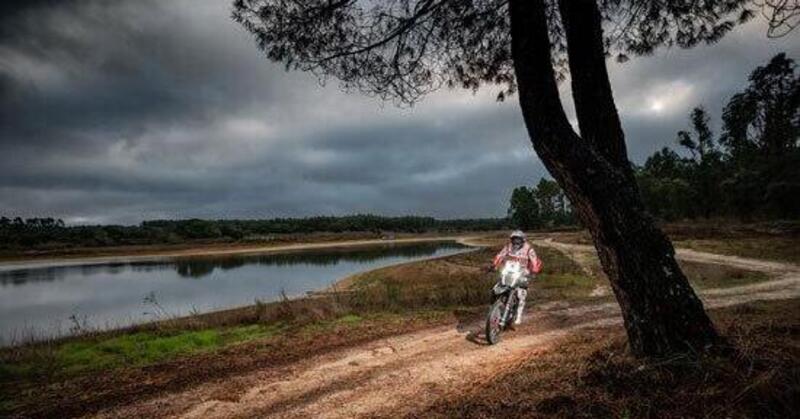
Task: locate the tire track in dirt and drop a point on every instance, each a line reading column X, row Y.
column 401, row 374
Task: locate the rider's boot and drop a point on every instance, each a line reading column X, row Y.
column 522, row 293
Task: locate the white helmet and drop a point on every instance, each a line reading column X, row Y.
column 517, row 233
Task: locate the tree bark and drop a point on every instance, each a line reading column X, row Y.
column 660, row 310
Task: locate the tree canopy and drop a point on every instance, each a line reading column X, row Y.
column 544, row 205
column 401, row 50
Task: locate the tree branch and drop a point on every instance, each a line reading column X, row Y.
column 405, row 25
column 597, row 115
column 538, row 90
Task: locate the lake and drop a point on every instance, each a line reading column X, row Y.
column 48, row 301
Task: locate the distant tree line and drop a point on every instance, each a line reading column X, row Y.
column 542, row 206
column 18, row 233
column 752, row 170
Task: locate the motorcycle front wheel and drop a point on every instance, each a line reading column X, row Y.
column 494, row 320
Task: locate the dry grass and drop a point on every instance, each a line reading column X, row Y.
column 727, row 229
column 461, row 281
column 706, row 275
column 781, row 249
column 700, row 275
column 592, row 375
column 778, row 241
column 70, row 395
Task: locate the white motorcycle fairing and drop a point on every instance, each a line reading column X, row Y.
column 511, row 275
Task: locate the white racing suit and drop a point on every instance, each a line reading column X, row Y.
column 522, row 294
column 526, row 256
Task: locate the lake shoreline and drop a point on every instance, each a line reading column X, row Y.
column 201, row 251
column 32, row 334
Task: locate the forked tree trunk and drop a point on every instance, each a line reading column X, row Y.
column 661, row 312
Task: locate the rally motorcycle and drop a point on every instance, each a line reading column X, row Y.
column 505, row 301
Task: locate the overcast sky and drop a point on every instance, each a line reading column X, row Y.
column 119, row 111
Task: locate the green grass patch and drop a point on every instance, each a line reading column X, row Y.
column 349, row 319
column 76, row 356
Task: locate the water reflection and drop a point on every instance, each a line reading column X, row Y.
column 111, row 294
column 199, row 267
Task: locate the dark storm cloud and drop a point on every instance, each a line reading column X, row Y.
column 115, row 69
column 123, row 111
column 677, row 80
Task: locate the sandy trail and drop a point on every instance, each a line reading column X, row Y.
column 401, row 374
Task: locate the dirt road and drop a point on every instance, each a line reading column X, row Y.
column 401, row 374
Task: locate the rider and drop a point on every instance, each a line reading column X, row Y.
column 520, row 250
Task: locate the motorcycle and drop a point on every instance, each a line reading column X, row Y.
column 505, row 301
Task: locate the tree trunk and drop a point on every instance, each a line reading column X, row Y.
column 661, row 312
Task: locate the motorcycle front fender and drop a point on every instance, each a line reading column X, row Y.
column 500, row 289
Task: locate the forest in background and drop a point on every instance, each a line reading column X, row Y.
column 751, row 171
column 21, row 233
